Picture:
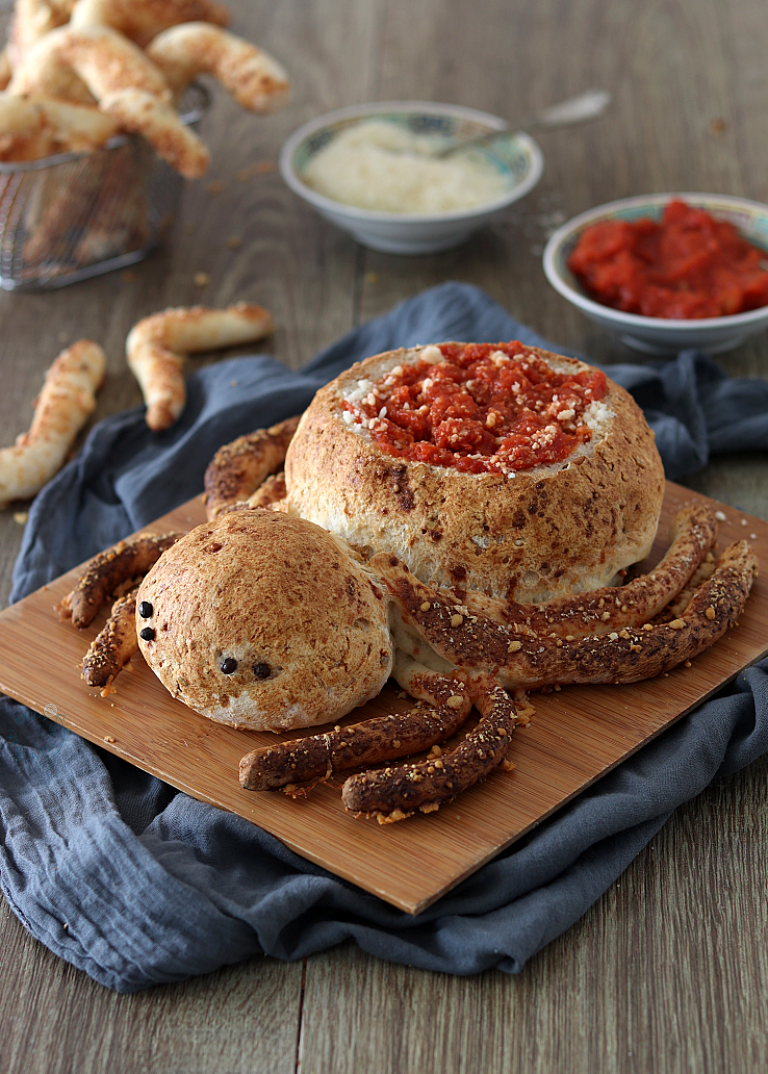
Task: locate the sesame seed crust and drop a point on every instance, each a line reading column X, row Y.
column 623, row 656
column 366, row 743
column 392, row 794
column 106, row 571
column 115, row 643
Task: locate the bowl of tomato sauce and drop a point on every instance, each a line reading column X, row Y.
column 667, row 272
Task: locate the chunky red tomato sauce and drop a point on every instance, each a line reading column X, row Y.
column 687, row 265
column 483, row 408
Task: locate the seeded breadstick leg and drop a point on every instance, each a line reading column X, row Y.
column 237, row 470
column 108, row 570
column 271, row 490
column 114, row 645
column 365, row 743
column 392, row 794
column 599, row 611
column 529, row 661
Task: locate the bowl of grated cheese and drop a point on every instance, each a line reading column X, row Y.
column 377, row 171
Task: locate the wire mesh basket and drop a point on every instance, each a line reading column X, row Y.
column 76, row 215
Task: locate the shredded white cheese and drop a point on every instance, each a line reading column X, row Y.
column 383, row 167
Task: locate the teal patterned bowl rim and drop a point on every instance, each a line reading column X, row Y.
column 514, row 154
column 750, row 217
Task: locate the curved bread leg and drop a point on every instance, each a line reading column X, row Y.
column 238, row 469
column 692, row 535
column 529, row 661
column 392, row 794
column 108, row 570
column 379, row 739
column 157, row 345
column 114, row 645
column 600, row 611
column 271, row 491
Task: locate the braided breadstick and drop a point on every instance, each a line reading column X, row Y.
column 238, row 470
column 64, row 405
column 156, row 346
column 365, row 743
column 255, row 79
column 141, row 20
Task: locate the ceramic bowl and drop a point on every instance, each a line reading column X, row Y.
column 657, row 335
column 515, row 156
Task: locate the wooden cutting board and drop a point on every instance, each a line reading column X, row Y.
column 576, row 735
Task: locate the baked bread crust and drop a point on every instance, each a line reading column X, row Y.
column 557, row 529
column 283, row 601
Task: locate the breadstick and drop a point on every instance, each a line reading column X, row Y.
column 156, row 347
column 365, row 743
column 392, row 794
column 64, row 405
column 238, row 470
column 34, row 127
column 85, row 66
column 139, row 112
column 530, row 661
column 141, row 20
column 97, row 64
column 271, row 491
column 254, row 78
column 115, row 643
column 109, row 569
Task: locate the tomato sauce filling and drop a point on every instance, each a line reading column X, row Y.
column 478, row 408
column 687, row 265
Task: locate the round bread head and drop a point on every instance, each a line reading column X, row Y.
column 266, row 622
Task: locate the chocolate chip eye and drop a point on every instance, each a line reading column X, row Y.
column 228, row 665
column 262, row 671
column 147, row 634
column 145, row 609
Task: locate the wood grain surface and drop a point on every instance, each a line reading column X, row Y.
column 667, row 972
column 577, row 735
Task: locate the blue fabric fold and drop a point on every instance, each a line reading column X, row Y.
column 137, row 884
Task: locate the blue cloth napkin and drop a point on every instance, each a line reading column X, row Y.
column 138, row 884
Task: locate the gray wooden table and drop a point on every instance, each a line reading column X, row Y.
column 667, row 972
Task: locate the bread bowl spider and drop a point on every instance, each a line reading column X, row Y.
column 262, row 620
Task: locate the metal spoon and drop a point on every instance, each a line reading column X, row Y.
column 579, row 109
